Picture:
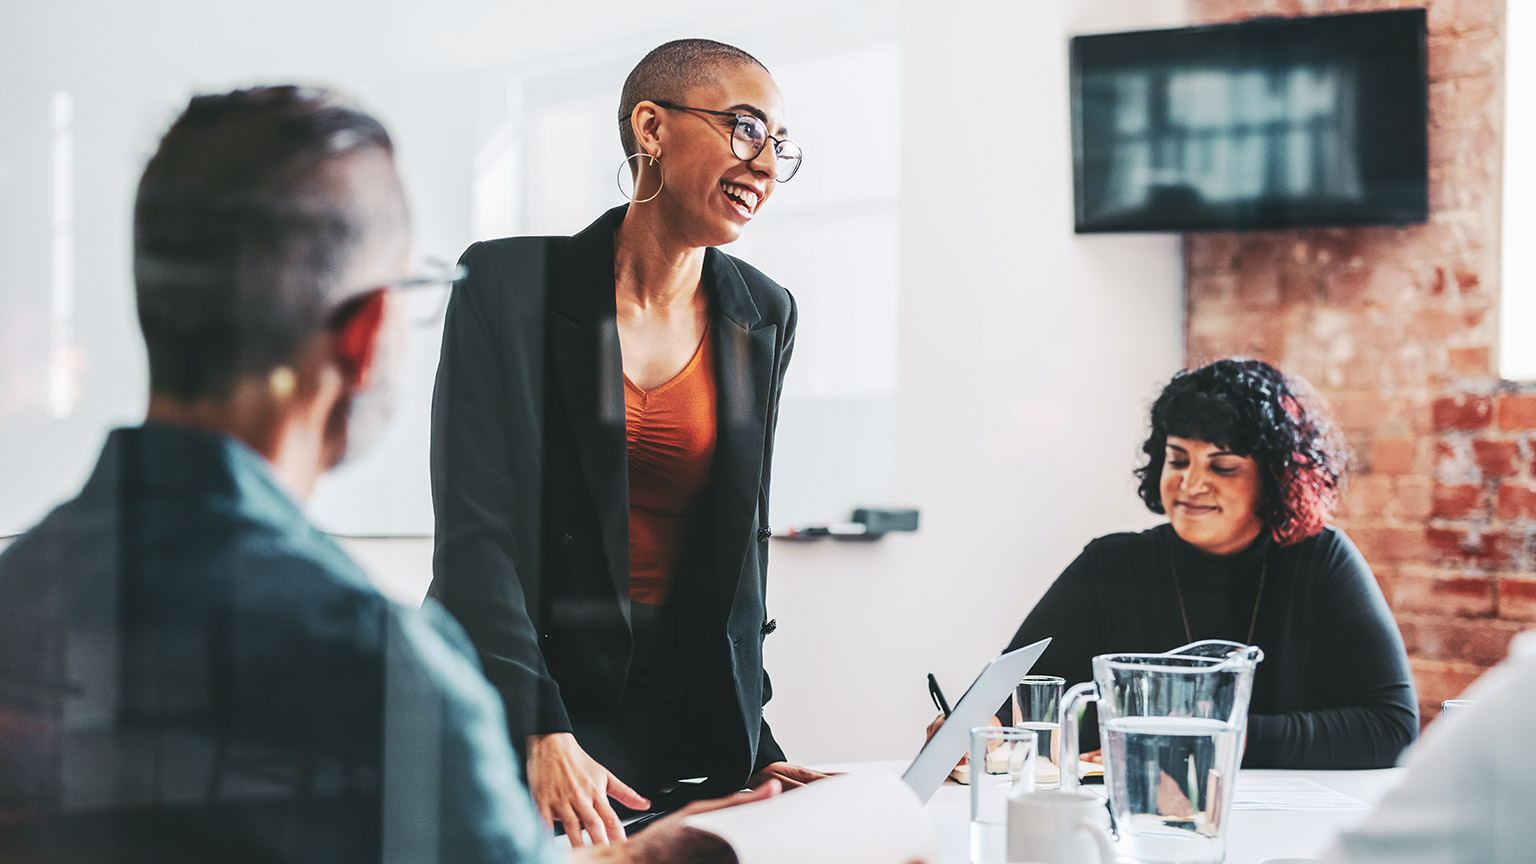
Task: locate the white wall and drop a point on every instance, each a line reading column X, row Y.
column 1028, row 359
column 1027, row 356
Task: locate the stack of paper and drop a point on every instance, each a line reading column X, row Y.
column 871, row 817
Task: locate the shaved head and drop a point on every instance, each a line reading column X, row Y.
column 670, row 71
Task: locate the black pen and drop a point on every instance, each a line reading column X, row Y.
column 938, row 695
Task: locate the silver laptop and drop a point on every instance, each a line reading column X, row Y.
column 990, row 689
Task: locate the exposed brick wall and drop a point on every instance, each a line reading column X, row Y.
column 1397, row 328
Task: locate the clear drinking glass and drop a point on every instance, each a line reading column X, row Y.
column 1002, row 767
column 1037, row 706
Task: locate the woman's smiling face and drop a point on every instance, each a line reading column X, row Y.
column 710, row 194
column 1211, row 495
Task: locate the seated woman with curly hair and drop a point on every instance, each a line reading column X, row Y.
column 1247, row 473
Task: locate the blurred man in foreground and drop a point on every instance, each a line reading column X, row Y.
column 188, row 670
column 1467, row 796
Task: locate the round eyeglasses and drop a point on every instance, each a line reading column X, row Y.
column 749, row 136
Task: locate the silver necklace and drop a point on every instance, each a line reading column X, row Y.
column 1184, row 614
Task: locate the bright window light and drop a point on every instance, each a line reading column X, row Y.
column 63, row 389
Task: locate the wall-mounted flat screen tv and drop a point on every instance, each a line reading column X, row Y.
column 1273, row 123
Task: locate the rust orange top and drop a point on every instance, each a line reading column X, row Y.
column 672, row 432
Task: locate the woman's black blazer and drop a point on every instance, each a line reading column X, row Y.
column 531, row 491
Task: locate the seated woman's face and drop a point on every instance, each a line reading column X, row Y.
column 1211, row 496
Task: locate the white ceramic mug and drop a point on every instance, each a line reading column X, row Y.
column 1059, row 828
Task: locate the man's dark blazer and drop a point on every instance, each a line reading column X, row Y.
column 531, row 490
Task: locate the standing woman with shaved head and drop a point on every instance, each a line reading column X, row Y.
column 602, row 439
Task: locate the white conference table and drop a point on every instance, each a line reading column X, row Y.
column 1252, row 837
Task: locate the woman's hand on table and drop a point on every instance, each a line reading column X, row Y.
column 571, row 788
column 670, row 841
column 787, row 773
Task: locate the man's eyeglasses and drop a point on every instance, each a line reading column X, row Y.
column 425, row 292
column 748, row 138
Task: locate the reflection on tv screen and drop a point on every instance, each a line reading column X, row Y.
column 1269, row 124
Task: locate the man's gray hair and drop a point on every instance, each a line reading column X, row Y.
column 238, row 246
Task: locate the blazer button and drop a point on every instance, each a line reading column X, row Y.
column 771, row 625
column 763, row 534
column 567, row 541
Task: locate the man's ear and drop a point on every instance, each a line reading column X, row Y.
column 358, row 337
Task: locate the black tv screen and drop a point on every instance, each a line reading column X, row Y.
column 1274, row 123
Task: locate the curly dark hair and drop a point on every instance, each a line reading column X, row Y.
column 1252, row 409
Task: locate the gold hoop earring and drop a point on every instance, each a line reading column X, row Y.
column 618, row 178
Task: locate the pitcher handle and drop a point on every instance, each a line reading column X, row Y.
column 1220, row 649
column 1073, row 703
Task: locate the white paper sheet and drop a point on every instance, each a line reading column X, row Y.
column 870, row 817
column 1290, row 793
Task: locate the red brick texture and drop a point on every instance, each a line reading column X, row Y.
column 1396, row 329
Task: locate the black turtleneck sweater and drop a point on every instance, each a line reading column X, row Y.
column 1334, row 689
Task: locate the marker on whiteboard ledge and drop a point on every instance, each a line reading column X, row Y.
column 867, row 524
column 836, row 530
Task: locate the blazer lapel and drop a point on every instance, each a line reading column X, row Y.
column 744, row 381
column 584, row 344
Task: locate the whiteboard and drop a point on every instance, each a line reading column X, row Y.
column 504, row 122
